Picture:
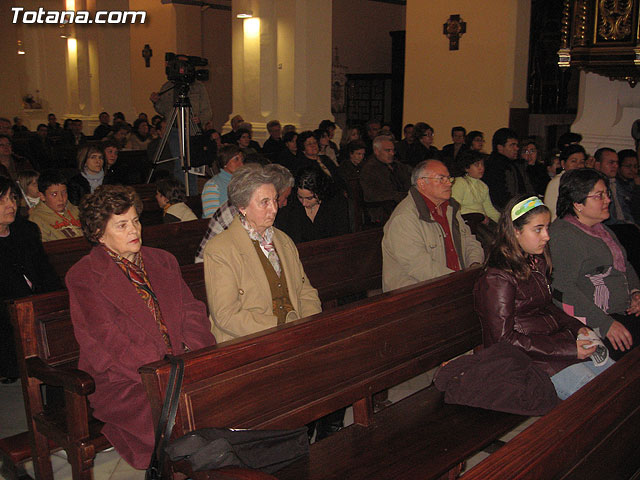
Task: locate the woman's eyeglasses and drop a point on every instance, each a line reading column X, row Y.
column 600, row 195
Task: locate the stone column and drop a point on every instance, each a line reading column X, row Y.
column 282, row 63
column 606, row 112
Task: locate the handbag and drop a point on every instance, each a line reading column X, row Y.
column 167, row 419
column 265, row 450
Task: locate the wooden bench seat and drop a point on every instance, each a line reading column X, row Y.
column 48, row 351
column 14, row 452
column 592, row 434
column 417, row 437
column 290, row 375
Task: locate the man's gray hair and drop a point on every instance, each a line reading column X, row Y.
column 282, row 177
column 418, row 171
column 381, row 138
column 246, row 180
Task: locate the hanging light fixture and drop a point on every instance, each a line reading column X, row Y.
column 244, row 14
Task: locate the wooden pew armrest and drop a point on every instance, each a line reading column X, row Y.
column 71, row 379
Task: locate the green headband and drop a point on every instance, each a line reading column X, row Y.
column 524, row 206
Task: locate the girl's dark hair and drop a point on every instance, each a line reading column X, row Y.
column 473, row 134
column 172, row 190
column 464, row 160
column 506, row 253
column 318, row 133
column 314, row 180
column 570, row 150
column 289, row 136
column 575, row 185
column 136, row 125
column 355, row 145
column 8, row 185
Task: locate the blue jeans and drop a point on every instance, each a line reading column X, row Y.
column 174, row 146
column 568, row 381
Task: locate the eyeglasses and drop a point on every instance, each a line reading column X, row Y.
column 530, row 151
column 600, row 195
column 428, row 134
column 441, row 179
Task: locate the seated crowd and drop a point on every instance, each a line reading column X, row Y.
column 566, row 293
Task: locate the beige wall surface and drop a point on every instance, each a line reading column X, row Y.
column 216, row 47
column 476, row 85
column 361, row 34
column 159, row 31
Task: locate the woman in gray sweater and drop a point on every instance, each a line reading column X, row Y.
column 592, row 278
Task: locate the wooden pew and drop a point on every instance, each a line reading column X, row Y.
column 181, row 239
column 151, row 212
column 290, row 375
column 48, row 352
column 593, row 434
column 331, row 265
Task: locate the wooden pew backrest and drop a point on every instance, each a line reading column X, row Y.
column 329, row 360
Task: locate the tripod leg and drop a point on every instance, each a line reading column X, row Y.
column 163, row 143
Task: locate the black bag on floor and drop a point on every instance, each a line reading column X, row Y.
column 266, row 450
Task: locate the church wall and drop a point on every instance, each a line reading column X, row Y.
column 475, row 86
column 160, row 32
column 361, row 34
column 216, row 47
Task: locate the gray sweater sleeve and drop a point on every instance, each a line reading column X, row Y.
column 567, row 256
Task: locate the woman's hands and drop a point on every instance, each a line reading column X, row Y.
column 619, row 336
column 584, row 352
column 634, row 308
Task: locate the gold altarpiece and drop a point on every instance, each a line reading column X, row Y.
column 603, row 37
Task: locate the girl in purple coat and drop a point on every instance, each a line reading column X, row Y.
column 514, row 303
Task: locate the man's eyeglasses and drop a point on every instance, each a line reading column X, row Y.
column 600, row 195
column 441, row 178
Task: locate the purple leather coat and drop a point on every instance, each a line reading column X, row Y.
column 523, row 314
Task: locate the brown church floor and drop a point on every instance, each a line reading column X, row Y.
column 109, row 465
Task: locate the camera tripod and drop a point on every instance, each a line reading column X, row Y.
column 181, row 114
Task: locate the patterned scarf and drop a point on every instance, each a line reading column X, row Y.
column 266, row 243
column 138, row 277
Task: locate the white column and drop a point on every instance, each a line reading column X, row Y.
column 606, row 112
column 282, row 63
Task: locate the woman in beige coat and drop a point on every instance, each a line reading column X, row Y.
column 253, row 274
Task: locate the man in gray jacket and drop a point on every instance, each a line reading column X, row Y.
column 426, row 237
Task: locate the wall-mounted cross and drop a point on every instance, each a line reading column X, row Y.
column 453, row 29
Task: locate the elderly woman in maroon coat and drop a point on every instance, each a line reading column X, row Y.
column 129, row 306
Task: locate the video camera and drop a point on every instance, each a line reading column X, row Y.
column 183, row 68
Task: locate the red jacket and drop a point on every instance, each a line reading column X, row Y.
column 523, row 314
column 117, row 334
